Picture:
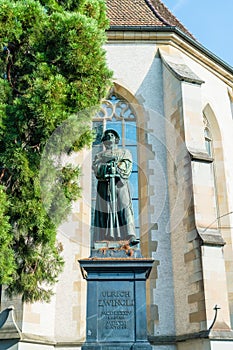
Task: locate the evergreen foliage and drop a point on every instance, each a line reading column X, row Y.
column 52, row 66
column 7, row 263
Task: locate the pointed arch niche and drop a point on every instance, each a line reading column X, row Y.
column 213, row 135
column 213, row 142
column 122, row 111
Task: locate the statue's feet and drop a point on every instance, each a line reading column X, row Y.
column 134, row 242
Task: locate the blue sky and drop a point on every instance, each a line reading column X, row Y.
column 210, row 22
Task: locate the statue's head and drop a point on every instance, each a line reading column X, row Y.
column 107, row 133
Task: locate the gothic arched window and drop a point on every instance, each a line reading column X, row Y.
column 208, row 137
column 210, row 169
column 116, row 113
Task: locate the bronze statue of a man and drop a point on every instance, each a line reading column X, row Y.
column 113, row 218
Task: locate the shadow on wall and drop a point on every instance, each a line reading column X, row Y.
column 9, row 344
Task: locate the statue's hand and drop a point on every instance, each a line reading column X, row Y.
column 110, row 170
column 121, row 166
column 111, row 167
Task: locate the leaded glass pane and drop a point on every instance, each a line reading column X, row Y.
column 133, row 183
column 130, row 133
column 136, row 212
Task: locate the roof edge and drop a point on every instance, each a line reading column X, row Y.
column 156, row 13
column 176, row 30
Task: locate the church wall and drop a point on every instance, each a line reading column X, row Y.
column 215, row 95
column 217, row 105
column 186, row 257
column 196, row 344
column 164, row 347
column 206, row 210
column 130, row 63
column 215, row 287
column 30, row 346
column 220, row 345
column 36, row 320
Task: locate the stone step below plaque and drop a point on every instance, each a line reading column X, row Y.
column 121, row 346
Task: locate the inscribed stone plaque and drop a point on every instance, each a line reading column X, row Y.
column 116, row 306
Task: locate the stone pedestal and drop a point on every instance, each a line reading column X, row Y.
column 116, row 303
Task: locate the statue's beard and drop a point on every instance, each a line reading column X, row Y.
column 108, row 143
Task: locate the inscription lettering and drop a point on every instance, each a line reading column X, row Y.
column 115, row 313
column 115, row 302
column 114, row 309
column 116, row 325
column 118, row 294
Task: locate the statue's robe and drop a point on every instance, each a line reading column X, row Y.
column 109, row 225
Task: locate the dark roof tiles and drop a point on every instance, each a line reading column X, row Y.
column 142, row 13
column 131, row 13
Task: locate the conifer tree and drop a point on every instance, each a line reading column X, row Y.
column 7, row 264
column 52, row 66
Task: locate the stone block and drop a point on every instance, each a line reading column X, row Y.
column 116, row 303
